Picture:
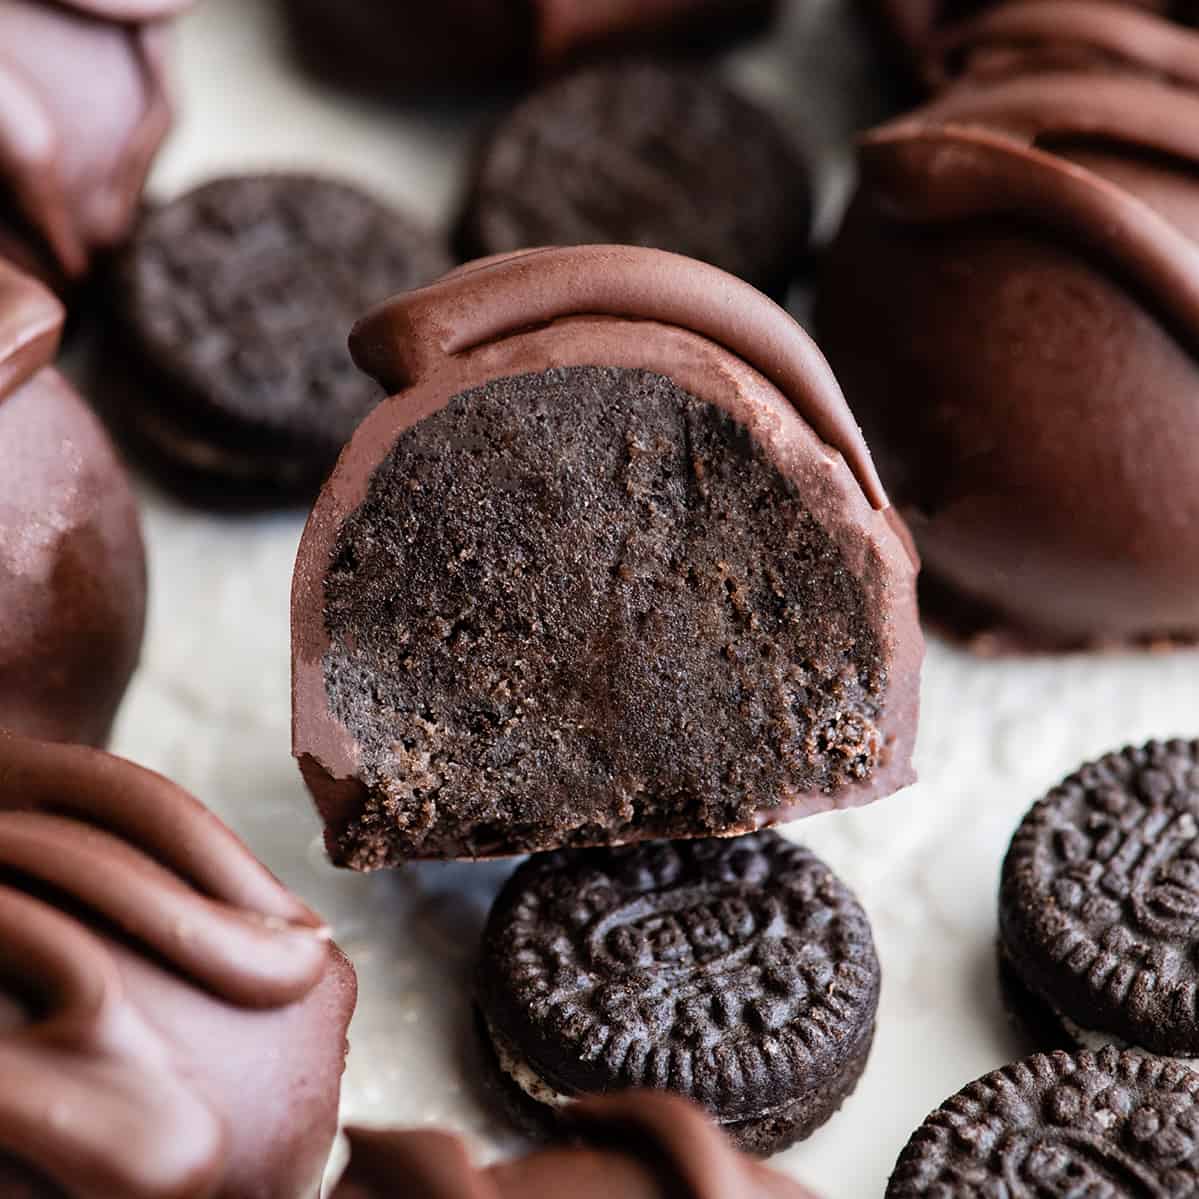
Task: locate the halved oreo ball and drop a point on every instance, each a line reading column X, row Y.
column 1099, row 905
column 740, row 973
column 611, row 564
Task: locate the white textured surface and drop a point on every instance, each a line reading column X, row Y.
column 210, row 704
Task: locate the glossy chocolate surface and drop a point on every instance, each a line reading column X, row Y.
column 72, row 566
column 83, row 109
column 182, row 1014
column 1013, row 306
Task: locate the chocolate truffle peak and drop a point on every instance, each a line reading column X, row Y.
column 74, row 152
column 157, row 972
column 990, row 152
column 1092, row 35
column 407, row 338
column 636, row 1145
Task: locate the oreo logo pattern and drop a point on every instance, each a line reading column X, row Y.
column 1100, row 893
column 718, row 968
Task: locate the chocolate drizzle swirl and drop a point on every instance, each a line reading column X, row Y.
column 999, row 151
column 77, row 190
column 93, row 848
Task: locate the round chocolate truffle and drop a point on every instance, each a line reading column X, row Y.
column 72, row 566
column 612, row 563
column 639, row 1145
column 477, row 44
column 644, row 154
column 83, row 109
column 234, row 385
column 181, row 1014
column 1013, row 308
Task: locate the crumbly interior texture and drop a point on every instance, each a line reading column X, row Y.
column 583, row 606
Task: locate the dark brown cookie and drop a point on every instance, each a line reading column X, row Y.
column 644, row 154
column 234, row 305
column 738, row 973
column 1099, row 900
column 1106, row 1125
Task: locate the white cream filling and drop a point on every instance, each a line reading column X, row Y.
column 524, row 1075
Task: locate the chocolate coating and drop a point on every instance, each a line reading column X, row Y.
column 83, row 109
column 183, row 1014
column 1106, row 1123
column 72, row 566
column 706, row 968
column 1013, row 308
column 521, row 352
column 638, row 1145
column 1099, row 894
column 478, row 44
column 925, row 34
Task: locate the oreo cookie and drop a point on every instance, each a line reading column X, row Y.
column 234, row 303
column 738, row 973
column 1103, row 1124
column 1099, row 905
column 644, row 154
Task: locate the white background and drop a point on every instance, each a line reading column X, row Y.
column 210, row 704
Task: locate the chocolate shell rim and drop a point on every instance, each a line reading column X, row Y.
column 405, row 339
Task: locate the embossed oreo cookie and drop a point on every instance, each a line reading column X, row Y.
column 739, row 973
column 1099, row 904
column 644, row 154
column 1103, row 1124
column 235, row 304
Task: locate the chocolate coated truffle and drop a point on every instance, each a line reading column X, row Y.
column 72, row 567
column 646, row 154
column 1013, row 309
column 479, row 44
column 612, row 563
column 176, row 1019
column 83, row 109
column 927, row 35
column 638, row 1145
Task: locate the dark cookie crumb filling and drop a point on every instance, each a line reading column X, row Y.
column 581, row 604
